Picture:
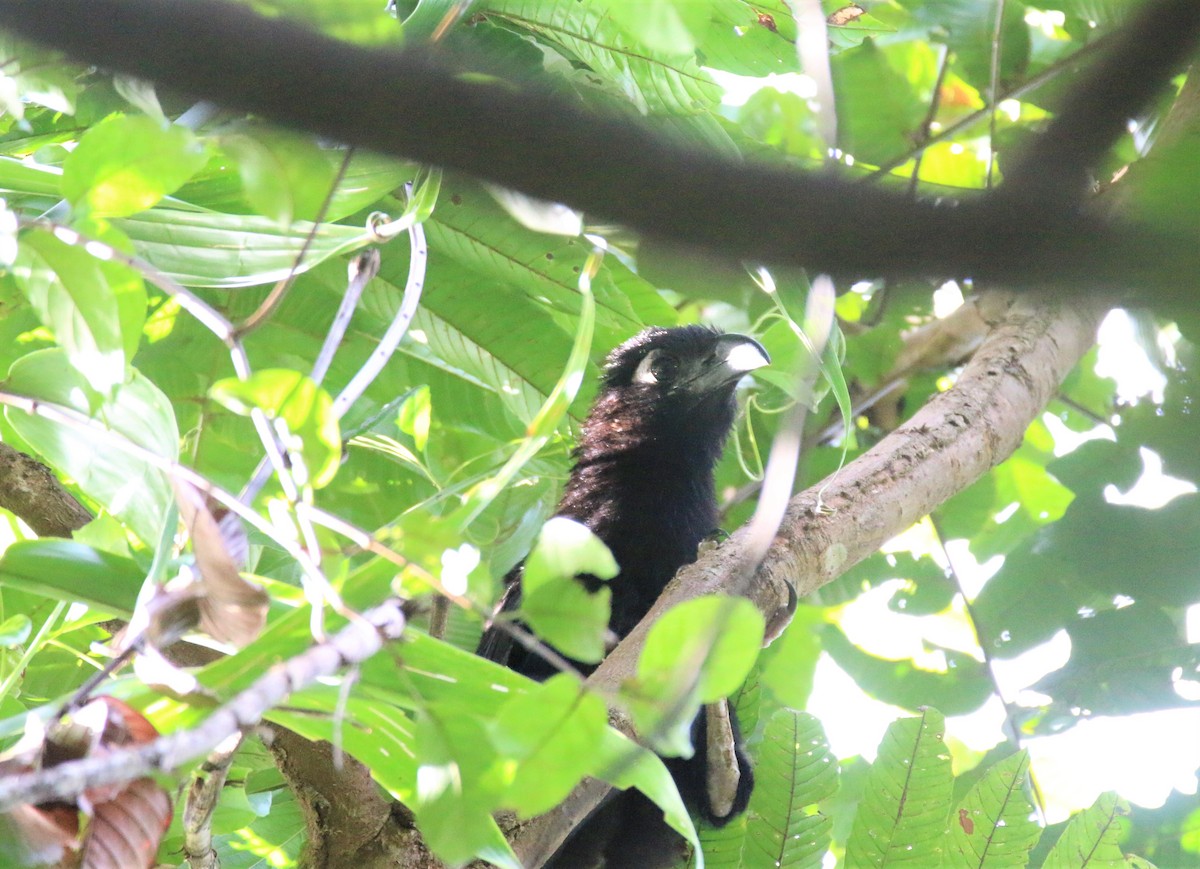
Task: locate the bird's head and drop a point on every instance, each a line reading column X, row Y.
column 672, row 387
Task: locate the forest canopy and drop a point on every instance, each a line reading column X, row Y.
column 303, row 304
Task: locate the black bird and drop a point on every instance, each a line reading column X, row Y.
column 643, row 483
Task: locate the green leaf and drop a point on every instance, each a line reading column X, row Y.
column 962, row 687
column 624, row 764
column 570, row 618
column 95, row 309
column 657, row 24
column 1092, row 839
column 652, row 80
column 306, row 409
column 285, row 176
column 202, row 249
column 566, row 549
column 993, row 825
column 717, row 637
column 454, row 798
column 557, row 606
column 794, row 768
column 902, row 817
column 131, row 489
column 14, row 630
column 870, row 128
column 550, row 732
column 72, row 572
column 127, row 163
column 698, row 652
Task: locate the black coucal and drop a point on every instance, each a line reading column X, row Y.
column 643, row 483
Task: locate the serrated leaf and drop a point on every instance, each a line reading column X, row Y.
column 127, row 163
column 992, row 826
column 1092, row 839
column 128, row 487
column 901, row 820
column 794, row 768
column 203, row 249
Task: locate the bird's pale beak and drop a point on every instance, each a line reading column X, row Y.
column 741, row 354
column 734, row 356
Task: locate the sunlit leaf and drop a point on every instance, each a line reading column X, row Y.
column 128, row 163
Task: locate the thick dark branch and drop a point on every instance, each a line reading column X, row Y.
column 33, row 494
column 1158, row 40
column 413, row 103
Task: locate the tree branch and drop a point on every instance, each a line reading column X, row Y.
column 946, row 446
column 34, row 495
column 621, row 168
column 359, row 640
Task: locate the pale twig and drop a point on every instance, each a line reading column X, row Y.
column 354, row 643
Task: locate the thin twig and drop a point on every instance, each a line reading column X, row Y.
column 354, row 643
column 70, row 417
column 411, row 300
column 279, row 292
column 202, row 799
column 994, row 88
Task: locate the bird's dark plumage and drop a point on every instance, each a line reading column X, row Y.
column 643, row 474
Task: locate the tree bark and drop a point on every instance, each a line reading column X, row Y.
column 31, row 492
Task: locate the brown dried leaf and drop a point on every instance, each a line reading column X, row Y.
column 36, row 836
column 231, row 609
column 126, row 831
column 171, row 613
column 846, row 15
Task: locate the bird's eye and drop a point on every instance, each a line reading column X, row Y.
column 657, row 367
column 665, row 367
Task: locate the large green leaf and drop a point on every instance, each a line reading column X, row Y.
column 550, row 733
column 285, row 176
column 454, row 796
column 204, row 249
column 1092, row 839
column 555, row 604
column 698, row 652
column 471, row 227
column 68, row 571
column 128, row 163
column 128, row 487
column 654, row 81
column 901, row 820
column 794, row 769
column 993, row 826
column 962, row 687
column 95, row 308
